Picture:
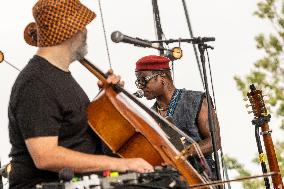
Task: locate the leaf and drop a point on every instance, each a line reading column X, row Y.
column 268, row 74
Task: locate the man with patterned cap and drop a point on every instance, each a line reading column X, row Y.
column 186, row 108
column 48, row 125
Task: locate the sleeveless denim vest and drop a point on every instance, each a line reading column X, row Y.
column 185, row 116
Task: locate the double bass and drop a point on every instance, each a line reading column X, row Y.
column 130, row 134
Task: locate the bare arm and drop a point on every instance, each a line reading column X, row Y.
column 47, row 155
column 203, row 126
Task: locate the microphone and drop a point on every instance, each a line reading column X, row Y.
column 118, row 37
column 139, row 93
column 207, row 39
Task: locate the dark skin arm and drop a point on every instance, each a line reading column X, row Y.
column 203, row 127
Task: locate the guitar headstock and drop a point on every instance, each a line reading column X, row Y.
column 256, row 100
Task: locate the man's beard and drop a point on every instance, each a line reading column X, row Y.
column 81, row 51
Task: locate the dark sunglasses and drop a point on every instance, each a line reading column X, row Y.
column 141, row 82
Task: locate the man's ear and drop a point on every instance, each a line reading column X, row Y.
column 163, row 81
column 163, row 74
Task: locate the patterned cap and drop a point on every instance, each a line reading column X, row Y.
column 56, row 21
column 152, row 62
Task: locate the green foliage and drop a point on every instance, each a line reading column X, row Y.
column 233, row 164
column 267, row 74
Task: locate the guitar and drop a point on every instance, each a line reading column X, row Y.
column 261, row 119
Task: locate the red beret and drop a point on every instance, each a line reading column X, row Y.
column 152, row 62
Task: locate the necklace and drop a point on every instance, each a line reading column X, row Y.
column 173, row 102
column 162, row 109
column 172, row 106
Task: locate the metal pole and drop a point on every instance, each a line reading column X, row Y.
column 201, row 48
column 157, row 21
column 191, row 35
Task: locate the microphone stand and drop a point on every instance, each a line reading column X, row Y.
column 194, row 40
column 201, row 47
column 260, row 153
column 157, row 20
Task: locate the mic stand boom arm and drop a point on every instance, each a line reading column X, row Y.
column 195, row 40
column 201, row 48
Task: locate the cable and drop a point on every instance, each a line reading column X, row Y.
column 108, row 52
column 211, row 80
column 225, row 169
column 194, row 47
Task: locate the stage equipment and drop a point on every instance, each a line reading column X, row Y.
column 163, row 177
column 202, row 47
column 2, row 59
column 118, row 37
column 174, row 54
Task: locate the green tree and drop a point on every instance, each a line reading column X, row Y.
column 268, row 75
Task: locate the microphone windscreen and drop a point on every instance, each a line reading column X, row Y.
column 116, row 36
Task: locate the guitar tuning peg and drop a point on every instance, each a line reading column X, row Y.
column 265, row 114
column 266, row 101
column 247, row 105
column 249, row 112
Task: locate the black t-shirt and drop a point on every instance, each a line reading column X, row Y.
column 46, row 101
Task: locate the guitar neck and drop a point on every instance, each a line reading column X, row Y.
column 271, row 156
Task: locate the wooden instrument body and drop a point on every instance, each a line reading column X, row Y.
column 129, row 134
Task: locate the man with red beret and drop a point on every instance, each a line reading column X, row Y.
column 186, row 108
column 48, row 126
